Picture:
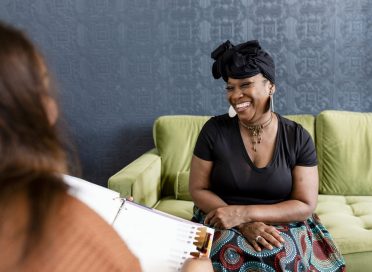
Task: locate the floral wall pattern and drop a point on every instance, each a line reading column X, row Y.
column 120, row 64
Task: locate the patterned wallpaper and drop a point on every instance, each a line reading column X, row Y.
column 120, row 64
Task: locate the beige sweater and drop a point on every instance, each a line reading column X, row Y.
column 75, row 239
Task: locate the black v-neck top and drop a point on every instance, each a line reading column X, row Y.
column 235, row 178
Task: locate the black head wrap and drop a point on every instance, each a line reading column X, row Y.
column 241, row 61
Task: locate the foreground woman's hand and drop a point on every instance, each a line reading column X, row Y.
column 225, row 217
column 260, row 235
column 202, row 264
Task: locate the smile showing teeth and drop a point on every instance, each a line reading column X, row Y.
column 242, row 105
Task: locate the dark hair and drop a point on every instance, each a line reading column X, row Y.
column 32, row 153
column 243, row 60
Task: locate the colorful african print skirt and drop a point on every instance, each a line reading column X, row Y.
column 308, row 246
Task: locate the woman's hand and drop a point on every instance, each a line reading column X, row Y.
column 225, row 217
column 260, row 235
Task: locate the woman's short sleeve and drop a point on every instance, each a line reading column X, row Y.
column 305, row 148
column 205, row 142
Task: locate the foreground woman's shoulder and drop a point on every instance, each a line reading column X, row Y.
column 78, row 239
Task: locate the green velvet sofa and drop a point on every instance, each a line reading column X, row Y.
column 159, row 178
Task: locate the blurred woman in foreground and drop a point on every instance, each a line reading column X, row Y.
column 42, row 227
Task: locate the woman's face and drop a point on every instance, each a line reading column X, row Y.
column 249, row 96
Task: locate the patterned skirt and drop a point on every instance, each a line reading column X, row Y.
column 308, row 246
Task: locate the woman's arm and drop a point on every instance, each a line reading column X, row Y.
column 199, row 185
column 301, row 205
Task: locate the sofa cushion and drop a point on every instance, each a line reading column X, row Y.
column 344, row 144
column 175, row 137
column 306, row 120
column 346, row 215
column 181, row 208
column 181, row 186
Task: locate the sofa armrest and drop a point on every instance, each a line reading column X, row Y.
column 140, row 179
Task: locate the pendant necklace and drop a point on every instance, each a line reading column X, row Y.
column 255, row 131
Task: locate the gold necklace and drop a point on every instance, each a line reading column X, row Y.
column 255, row 131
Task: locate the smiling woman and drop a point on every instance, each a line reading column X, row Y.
column 254, row 176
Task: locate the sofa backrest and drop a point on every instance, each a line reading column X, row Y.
column 175, row 137
column 344, row 149
column 306, row 120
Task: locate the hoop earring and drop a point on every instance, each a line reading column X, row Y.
column 232, row 112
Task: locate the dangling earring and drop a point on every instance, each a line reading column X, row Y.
column 232, row 112
column 271, row 101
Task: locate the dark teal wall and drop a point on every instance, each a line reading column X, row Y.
column 120, row 64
